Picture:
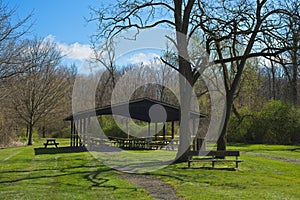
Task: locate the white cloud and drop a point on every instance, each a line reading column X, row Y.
column 145, row 58
column 75, row 51
column 50, row 38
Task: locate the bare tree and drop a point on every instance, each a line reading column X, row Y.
column 104, row 57
column 290, row 60
column 236, row 31
column 11, row 44
column 37, row 92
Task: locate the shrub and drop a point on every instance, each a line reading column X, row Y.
column 276, row 123
column 238, row 128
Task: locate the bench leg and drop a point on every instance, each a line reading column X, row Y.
column 213, row 164
column 189, row 164
column 236, row 164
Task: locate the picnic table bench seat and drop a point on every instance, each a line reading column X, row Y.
column 213, row 156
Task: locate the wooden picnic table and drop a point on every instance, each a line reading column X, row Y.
column 51, row 142
column 138, row 143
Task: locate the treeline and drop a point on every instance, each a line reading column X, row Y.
column 266, row 108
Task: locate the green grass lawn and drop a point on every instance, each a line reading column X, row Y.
column 24, row 175
column 283, row 151
column 60, row 176
column 257, row 178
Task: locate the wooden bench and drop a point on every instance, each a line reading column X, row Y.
column 213, row 157
column 51, row 142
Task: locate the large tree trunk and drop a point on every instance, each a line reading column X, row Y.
column 185, row 89
column 185, row 134
column 222, row 141
column 44, row 132
column 30, row 126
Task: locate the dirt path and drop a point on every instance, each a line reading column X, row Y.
column 273, row 157
column 155, row 187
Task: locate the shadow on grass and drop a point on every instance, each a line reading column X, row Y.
column 38, row 177
column 96, row 177
column 46, row 169
column 100, row 178
column 98, row 181
column 296, row 149
column 38, row 151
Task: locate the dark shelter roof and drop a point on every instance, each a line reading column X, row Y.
column 143, row 109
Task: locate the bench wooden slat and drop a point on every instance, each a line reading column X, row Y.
column 214, row 153
column 226, row 153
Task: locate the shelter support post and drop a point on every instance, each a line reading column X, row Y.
column 127, row 129
column 172, row 129
column 84, row 132
column 71, row 133
column 194, row 135
column 149, row 134
column 155, row 130
column 80, row 132
column 88, row 131
column 164, row 131
column 76, row 135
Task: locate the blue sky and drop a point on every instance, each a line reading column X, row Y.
column 63, row 21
